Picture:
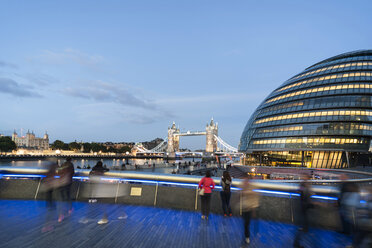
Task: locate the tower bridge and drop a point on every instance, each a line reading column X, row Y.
column 171, row 144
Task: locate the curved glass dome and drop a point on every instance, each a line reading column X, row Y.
column 325, row 107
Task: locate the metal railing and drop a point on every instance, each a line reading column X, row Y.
column 275, row 185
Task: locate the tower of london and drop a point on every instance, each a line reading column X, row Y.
column 30, row 141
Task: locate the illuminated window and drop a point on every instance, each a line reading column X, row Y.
column 344, row 75
column 302, row 92
column 315, row 113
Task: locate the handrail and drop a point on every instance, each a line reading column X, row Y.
column 282, row 185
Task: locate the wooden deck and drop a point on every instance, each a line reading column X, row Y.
column 22, row 224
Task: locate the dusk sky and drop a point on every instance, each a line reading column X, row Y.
column 125, row 70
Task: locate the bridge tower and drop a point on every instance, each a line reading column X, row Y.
column 212, row 130
column 173, row 139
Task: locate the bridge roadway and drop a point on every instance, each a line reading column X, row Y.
column 22, row 223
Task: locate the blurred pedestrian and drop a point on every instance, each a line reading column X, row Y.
column 50, row 182
column 49, row 185
column 206, row 185
column 250, row 203
column 349, row 209
column 66, row 172
column 95, row 176
column 226, row 193
column 345, row 188
column 305, row 205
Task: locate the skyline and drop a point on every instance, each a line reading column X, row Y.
column 125, row 71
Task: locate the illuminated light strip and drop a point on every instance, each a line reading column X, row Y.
column 22, row 175
column 324, row 197
column 80, row 178
column 275, row 192
column 181, row 184
column 110, row 179
column 138, row 180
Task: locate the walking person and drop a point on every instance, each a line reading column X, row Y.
column 305, row 205
column 250, row 203
column 49, row 185
column 206, row 185
column 226, row 193
column 95, row 176
column 66, row 172
column 50, row 182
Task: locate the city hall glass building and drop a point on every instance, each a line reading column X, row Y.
column 320, row 118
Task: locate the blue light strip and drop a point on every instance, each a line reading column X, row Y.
column 22, row 175
column 181, row 184
column 138, row 180
column 330, row 198
column 80, row 178
column 273, row 192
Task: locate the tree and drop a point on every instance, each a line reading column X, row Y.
column 124, row 149
column 7, row 144
column 74, row 146
column 59, row 145
column 87, row 147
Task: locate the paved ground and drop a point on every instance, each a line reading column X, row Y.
column 22, row 224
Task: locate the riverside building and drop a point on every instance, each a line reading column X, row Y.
column 320, row 118
column 30, row 141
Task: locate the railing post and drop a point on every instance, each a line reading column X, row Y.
column 291, row 203
column 37, row 190
column 117, row 191
column 156, row 193
column 196, row 198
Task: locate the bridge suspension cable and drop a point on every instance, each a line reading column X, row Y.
column 225, row 146
column 159, row 148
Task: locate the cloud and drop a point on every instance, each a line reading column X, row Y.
column 69, row 55
column 238, row 97
column 40, row 78
column 105, row 92
column 107, row 112
column 10, row 65
column 9, row 86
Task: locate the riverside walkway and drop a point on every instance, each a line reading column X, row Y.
column 22, row 221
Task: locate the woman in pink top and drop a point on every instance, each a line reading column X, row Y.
column 207, row 184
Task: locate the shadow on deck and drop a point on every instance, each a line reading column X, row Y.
column 21, row 224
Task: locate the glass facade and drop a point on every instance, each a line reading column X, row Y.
column 321, row 117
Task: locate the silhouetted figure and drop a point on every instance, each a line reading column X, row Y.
column 250, row 203
column 345, row 188
column 97, row 171
column 206, row 185
column 66, row 172
column 49, row 185
column 305, row 205
column 50, row 182
column 349, row 211
column 226, row 193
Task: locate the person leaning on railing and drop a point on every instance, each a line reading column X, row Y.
column 206, row 185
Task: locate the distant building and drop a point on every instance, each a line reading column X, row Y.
column 30, row 141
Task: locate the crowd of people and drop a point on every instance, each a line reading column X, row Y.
column 354, row 203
